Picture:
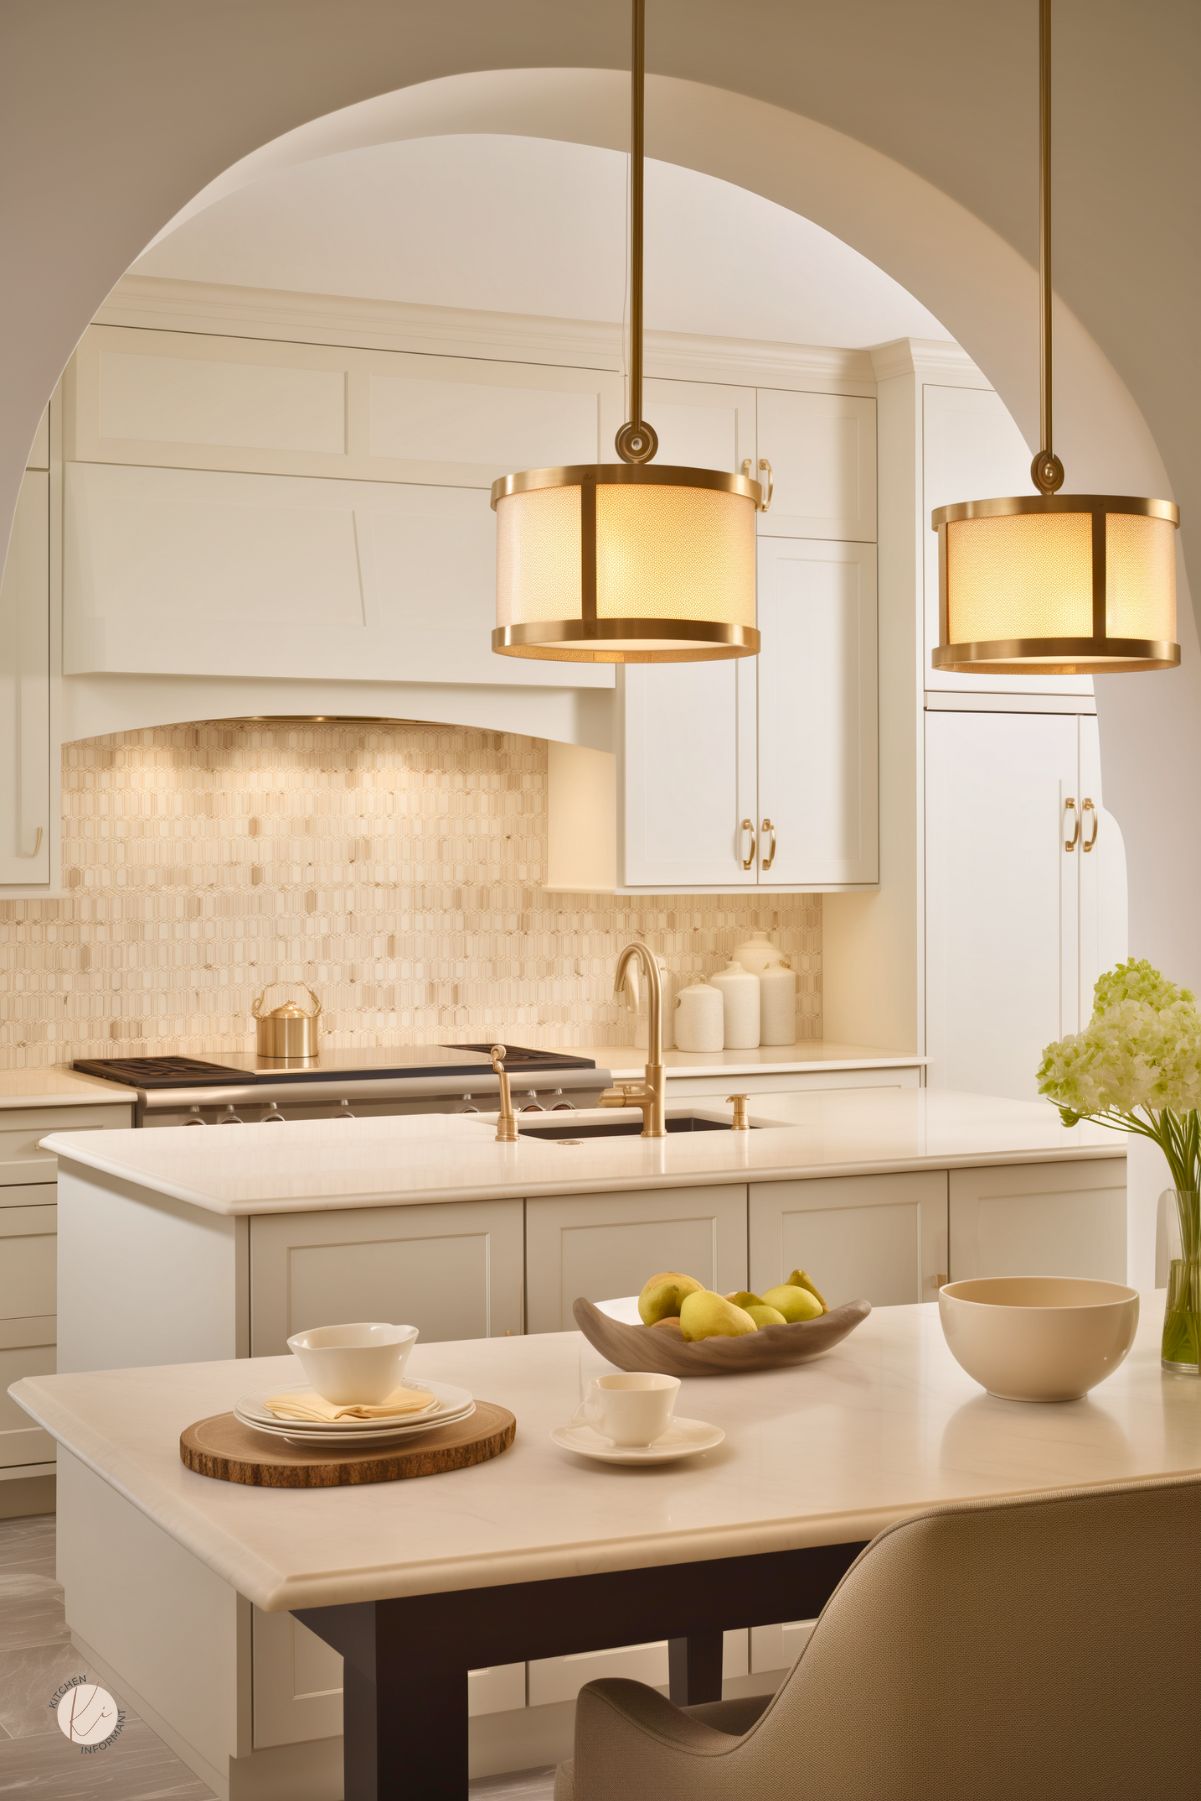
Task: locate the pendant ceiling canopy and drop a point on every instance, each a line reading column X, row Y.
column 627, row 562
column 1051, row 583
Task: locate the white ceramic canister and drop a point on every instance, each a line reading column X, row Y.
column 700, row 1018
column 777, row 1003
column 740, row 993
column 757, row 953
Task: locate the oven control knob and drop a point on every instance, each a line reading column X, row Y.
column 533, row 1104
column 273, row 1116
column 230, row 1118
column 194, row 1118
column 343, row 1111
column 469, row 1105
column 559, row 1103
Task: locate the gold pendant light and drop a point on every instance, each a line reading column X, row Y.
column 627, row 562
column 1051, row 583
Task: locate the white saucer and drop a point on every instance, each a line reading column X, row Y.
column 683, row 1438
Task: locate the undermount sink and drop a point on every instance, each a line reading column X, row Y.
column 626, row 1128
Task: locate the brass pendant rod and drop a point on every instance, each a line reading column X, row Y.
column 1046, row 469
column 636, row 441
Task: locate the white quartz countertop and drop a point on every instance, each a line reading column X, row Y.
column 309, row 1165
column 824, row 1453
column 817, row 1055
column 59, row 1087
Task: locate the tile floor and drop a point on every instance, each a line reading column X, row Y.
column 36, row 1762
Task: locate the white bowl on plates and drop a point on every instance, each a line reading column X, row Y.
column 362, row 1362
column 1038, row 1338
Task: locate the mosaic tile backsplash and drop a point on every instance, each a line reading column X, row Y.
column 397, row 869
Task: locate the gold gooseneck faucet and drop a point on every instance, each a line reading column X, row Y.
column 647, row 1094
column 506, row 1124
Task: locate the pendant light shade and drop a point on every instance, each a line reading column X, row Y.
column 617, row 563
column 1051, row 583
column 1057, row 584
column 628, row 562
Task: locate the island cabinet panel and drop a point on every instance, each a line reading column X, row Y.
column 1040, row 1219
column 455, row 1271
column 561, row 1678
column 606, row 1245
column 880, row 1238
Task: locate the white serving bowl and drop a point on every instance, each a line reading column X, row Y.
column 1038, row 1338
column 362, row 1362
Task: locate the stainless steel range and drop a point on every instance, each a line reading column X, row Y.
column 430, row 1078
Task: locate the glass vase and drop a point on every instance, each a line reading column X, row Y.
column 1181, row 1351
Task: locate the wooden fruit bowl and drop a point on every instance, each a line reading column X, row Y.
column 772, row 1348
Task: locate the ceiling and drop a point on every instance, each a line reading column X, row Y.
column 533, row 226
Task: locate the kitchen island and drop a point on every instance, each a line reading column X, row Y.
column 184, row 1246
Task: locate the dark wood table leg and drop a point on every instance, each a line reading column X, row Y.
column 694, row 1668
column 404, row 1719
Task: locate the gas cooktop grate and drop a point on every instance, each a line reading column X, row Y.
column 159, row 1072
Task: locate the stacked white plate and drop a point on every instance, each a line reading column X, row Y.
column 450, row 1404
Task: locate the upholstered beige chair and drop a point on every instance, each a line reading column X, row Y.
column 1032, row 1650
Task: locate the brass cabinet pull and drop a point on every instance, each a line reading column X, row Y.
column 1069, row 807
column 768, row 483
column 748, row 861
column 770, row 829
column 37, row 844
column 1090, row 842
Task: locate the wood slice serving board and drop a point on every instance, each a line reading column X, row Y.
column 223, row 1448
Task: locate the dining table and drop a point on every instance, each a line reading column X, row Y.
column 542, row 1553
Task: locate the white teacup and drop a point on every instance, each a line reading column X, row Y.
column 630, row 1407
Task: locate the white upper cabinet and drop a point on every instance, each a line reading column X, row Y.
column 173, row 399
column 972, row 450
column 703, row 425
column 822, row 451
column 26, row 788
column 817, row 713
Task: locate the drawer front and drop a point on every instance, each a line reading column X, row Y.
column 31, row 1355
column 27, row 1263
column 21, row 1158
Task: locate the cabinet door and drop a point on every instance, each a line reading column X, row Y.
column 817, row 714
column 1040, row 1219
column 1104, row 925
column 687, row 774
column 562, row 1678
column 27, row 1348
column 1002, row 896
column 197, row 572
column 456, row 1272
column 605, row 1245
column 184, row 400
column 878, row 1238
column 25, row 787
column 822, row 450
column 972, row 450
column 701, row 424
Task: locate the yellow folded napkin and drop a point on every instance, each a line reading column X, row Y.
column 311, row 1406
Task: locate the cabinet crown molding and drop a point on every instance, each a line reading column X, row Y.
column 925, row 356
column 159, row 303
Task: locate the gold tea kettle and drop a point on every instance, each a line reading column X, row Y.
column 288, row 1031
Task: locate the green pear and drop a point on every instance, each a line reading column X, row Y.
column 763, row 1315
column 663, row 1295
column 800, row 1279
column 793, row 1302
column 708, row 1315
column 743, row 1298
